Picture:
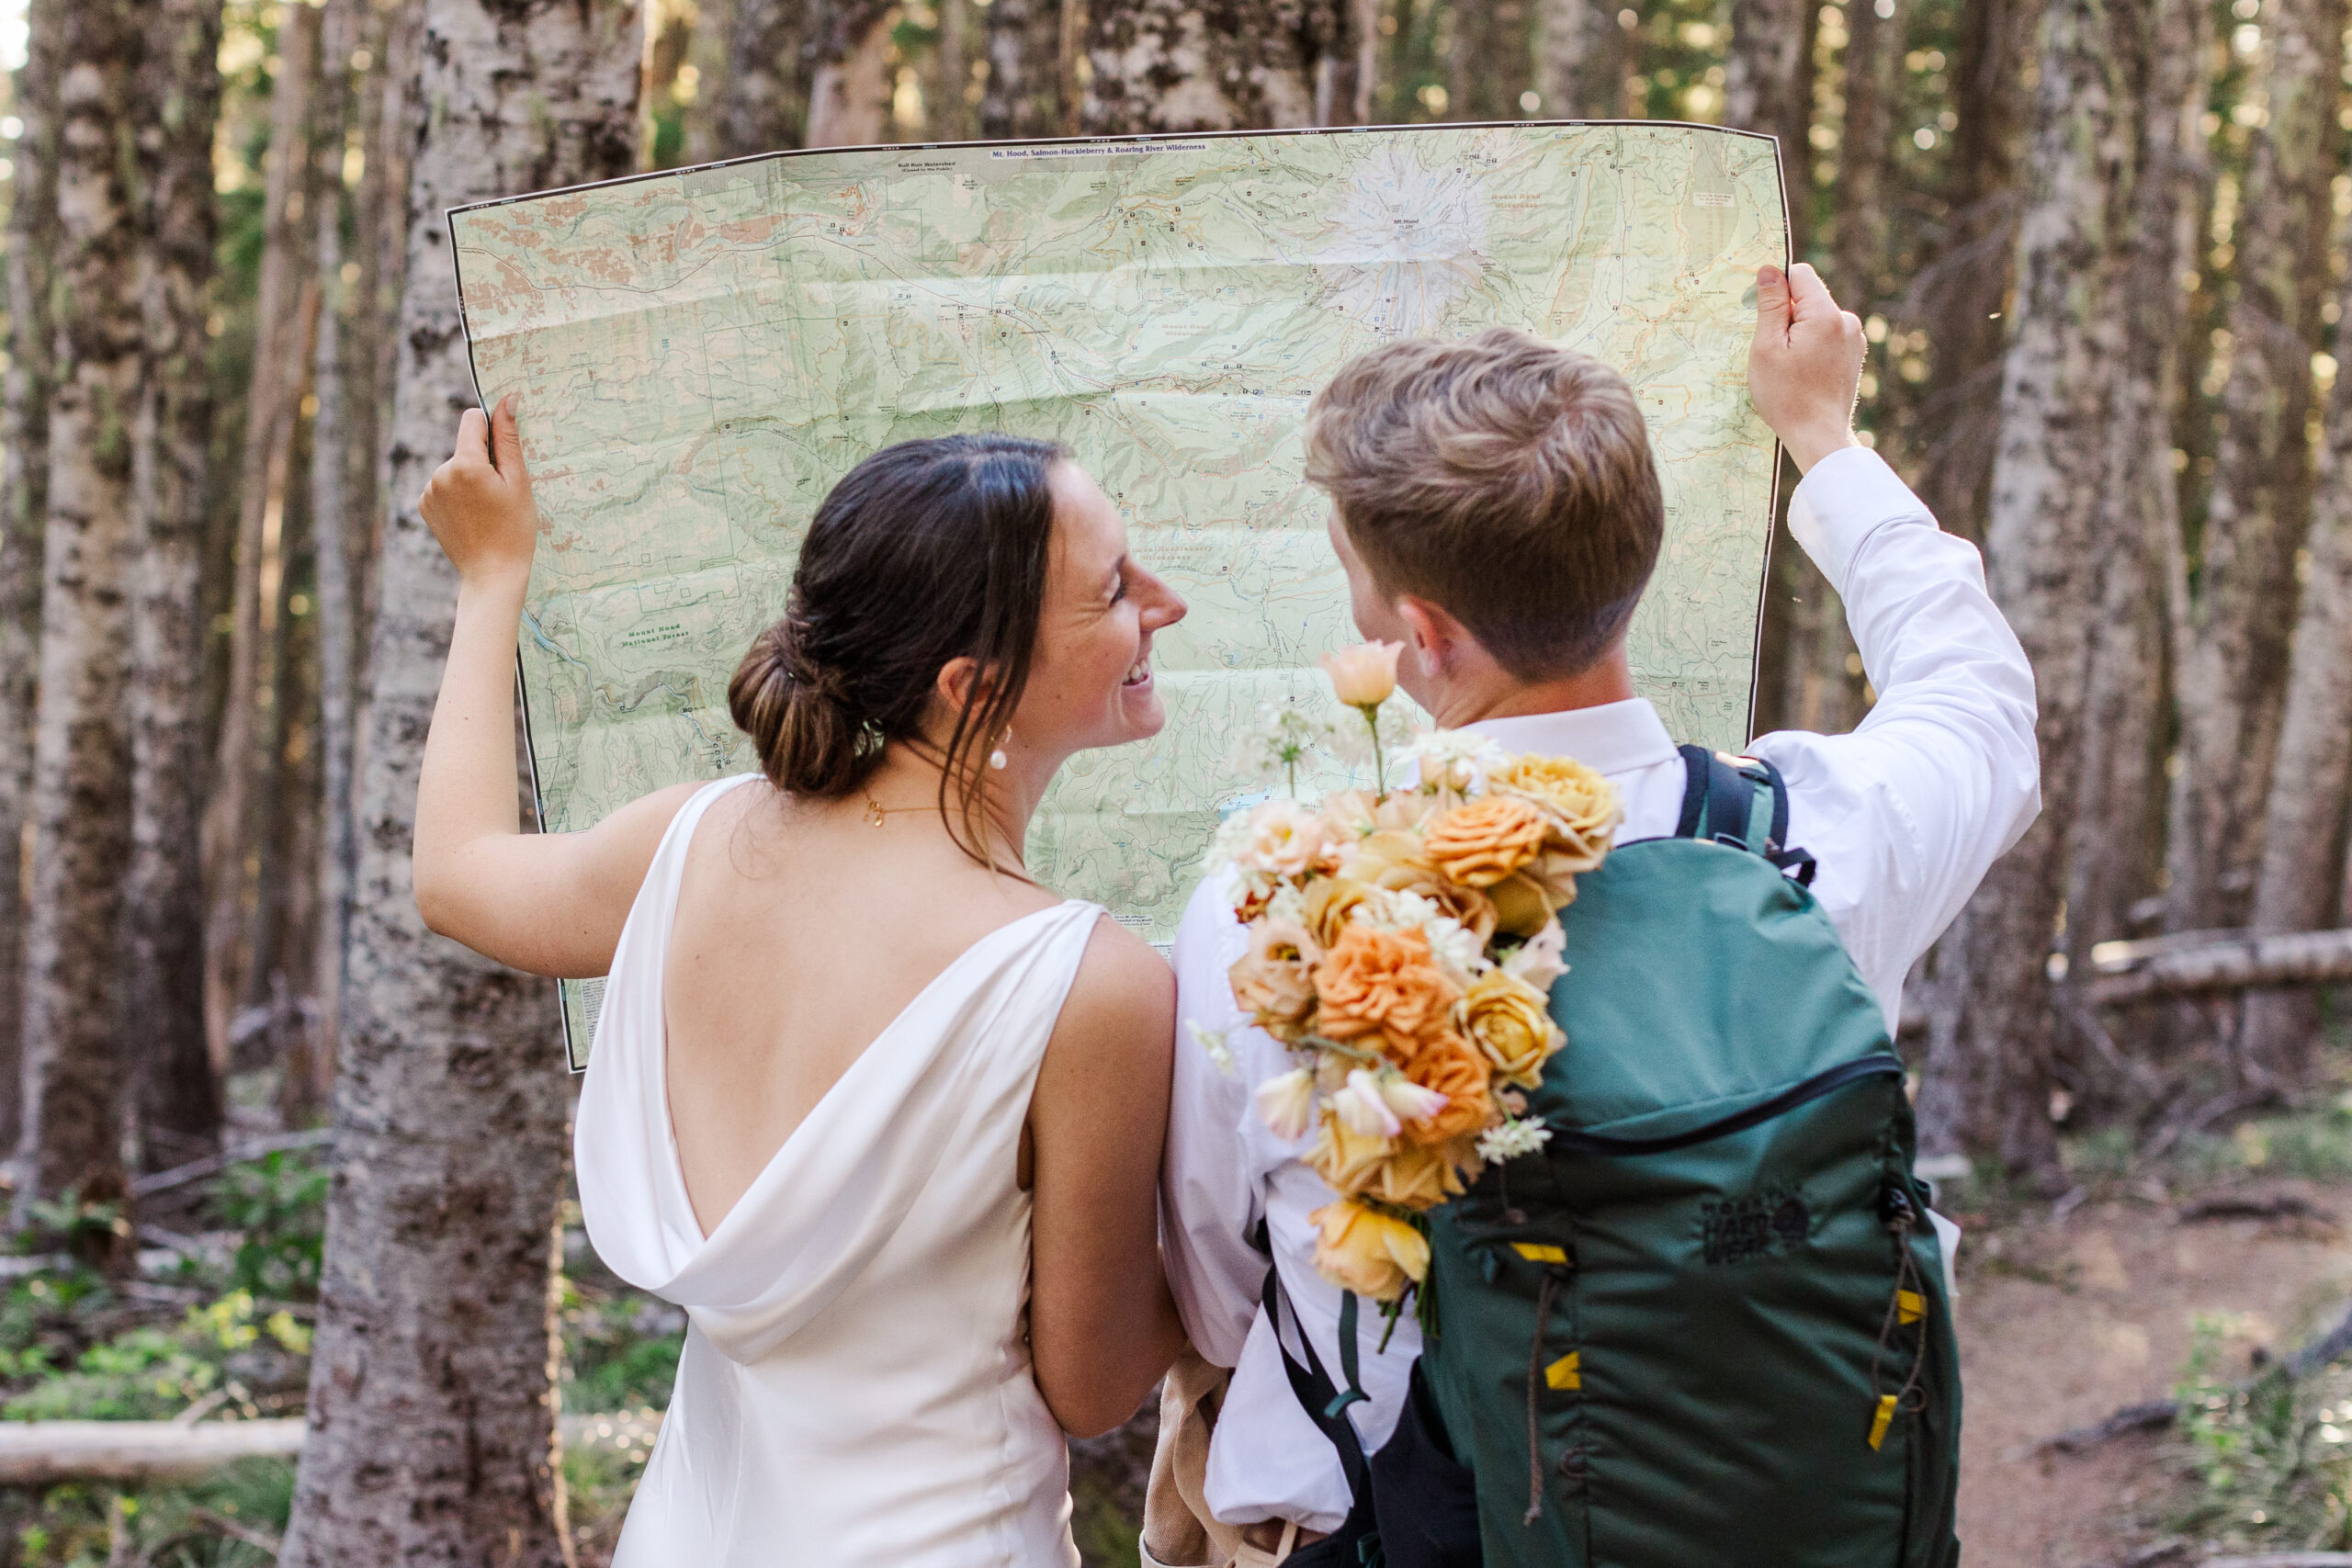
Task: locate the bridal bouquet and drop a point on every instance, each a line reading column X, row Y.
column 1402, row 944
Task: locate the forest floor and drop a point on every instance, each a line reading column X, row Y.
column 2128, row 1290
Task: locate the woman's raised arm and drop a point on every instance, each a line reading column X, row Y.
column 552, row 904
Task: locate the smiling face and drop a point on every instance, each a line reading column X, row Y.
column 1091, row 682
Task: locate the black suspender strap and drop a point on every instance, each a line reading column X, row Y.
column 1324, row 1402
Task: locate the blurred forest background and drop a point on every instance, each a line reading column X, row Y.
column 278, row 1150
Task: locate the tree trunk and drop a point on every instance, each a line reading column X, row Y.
column 2298, row 884
column 1579, row 58
column 74, row 1101
column 1767, row 86
column 180, row 1097
column 849, row 73
column 431, row 1434
column 1491, row 62
column 1952, row 425
column 766, row 101
column 2070, row 539
column 1022, row 97
column 950, row 118
column 1186, row 65
column 23, row 506
column 1823, row 687
column 1348, row 75
column 229, row 826
column 2232, row 667
column 342, row 475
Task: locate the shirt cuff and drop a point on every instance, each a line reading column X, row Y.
column 1849, row 496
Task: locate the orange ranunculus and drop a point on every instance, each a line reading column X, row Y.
column 1376, row 980
column 1510, row 1021
column 1273, row 981
column 1583, row 805
column 1414, row 1177
column 1481, row 841
column 1348, row 1162
column 1364, row 676
column 1451, row 1065
column 1363, row 1250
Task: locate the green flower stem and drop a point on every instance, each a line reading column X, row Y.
column 1371, row 712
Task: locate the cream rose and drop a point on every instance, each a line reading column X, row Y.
column 1364, row 676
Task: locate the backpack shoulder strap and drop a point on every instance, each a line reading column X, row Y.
column 1324, row 1403
column 1741, row 802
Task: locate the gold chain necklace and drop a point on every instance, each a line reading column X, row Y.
column 876, row 811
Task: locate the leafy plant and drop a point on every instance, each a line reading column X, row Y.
column 278, row 1203
column 2272, row 1460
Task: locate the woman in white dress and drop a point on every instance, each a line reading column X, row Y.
column 882, row 1114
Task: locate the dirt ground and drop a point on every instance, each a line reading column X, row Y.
column 2063, row 1322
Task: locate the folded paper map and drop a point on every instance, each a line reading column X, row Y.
column 699, row 355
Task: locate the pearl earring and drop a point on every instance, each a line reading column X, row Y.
column 996, row 759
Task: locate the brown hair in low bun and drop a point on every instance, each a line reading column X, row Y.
column 926, row 552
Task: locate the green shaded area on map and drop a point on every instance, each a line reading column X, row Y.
column 700, row 354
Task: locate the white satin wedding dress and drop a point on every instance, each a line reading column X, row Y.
column 856, row 1388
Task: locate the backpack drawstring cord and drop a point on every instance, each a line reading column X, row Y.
column 1534, row 1378
column 1907, row 1284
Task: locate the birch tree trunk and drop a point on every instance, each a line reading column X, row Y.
column 432, row 1435
column 1185, row 65
column 2296, row 886
column 180, row 1106
column 2069, row 539
column 2233, row 665
column 229, row 826
column 74, row 1101
column 1580, row 59
column 23, row 506
column 1022, row 95
column 763, row 104
column 848, row 73
column 950, row 116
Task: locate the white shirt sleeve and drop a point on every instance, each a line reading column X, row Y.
column 1906, row 814
column 1209, row 1182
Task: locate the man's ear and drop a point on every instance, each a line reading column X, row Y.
column 1439, row 640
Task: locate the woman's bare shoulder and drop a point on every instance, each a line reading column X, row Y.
column 1124, row 995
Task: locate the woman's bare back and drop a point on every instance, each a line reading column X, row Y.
column 803, row 930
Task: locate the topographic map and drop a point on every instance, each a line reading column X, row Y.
column 700, row 354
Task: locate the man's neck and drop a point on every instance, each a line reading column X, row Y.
column 1499, row 694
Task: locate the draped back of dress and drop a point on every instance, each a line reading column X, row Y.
column 856, row 1387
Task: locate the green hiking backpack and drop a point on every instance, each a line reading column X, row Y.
column 1708, row 1323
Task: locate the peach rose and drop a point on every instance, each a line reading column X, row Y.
column 1357, row 813
column 1583, row 805
column 1376, row 980
column 1327, row 902
column 1273, row 981
column 1509, row 1020
column 1363, row 1250
column 1285, row 839
column 1347, row 1161
column 1448, row 1064
column 1365, row 675
column 1481, row 841
column 1416, row 1177
column 1526, row 900
column 1396, row 863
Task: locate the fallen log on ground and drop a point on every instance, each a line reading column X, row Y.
column 43, row 1453
column 2191, row 961
column 2157, row 1414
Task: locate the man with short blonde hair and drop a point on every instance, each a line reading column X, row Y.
column 1496, row 511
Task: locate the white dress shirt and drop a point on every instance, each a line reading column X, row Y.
column 1903, row 816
